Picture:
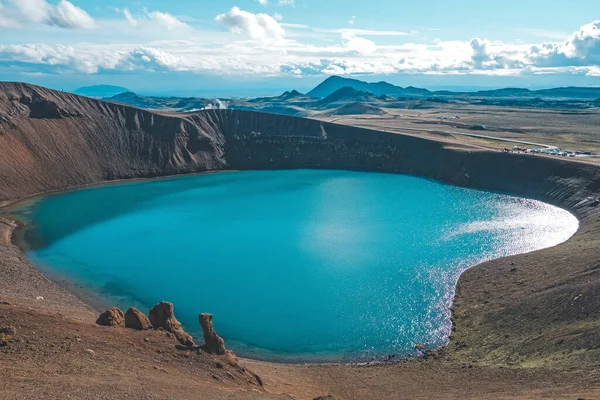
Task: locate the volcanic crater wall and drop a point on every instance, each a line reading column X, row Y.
column 505, row 309
column 51, row 140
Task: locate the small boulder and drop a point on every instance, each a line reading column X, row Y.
column 111, row 317
column 162, row 316
column 135, row 319
column 213, row 342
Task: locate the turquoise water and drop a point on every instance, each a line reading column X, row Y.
column 306, row 265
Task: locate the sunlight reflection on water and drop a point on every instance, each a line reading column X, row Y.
column 295, row 265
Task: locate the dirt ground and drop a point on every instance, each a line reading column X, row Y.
column 567, row 129
column 54, row 357
column 59, row 352
column 525, row 327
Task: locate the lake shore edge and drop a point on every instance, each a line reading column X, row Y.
column 14, row 212
column 525, row 326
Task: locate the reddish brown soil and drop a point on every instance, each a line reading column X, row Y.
column 54, row 357
column 527, row 326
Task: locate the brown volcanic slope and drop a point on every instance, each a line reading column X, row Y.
column 53, row 139
column 526, row 325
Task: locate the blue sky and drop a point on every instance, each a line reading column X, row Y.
column 259, row 47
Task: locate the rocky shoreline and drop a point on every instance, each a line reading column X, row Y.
column 528, row 312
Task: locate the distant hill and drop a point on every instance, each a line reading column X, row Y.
column 348, row 100
column 506, row 92
column 180, row 104
column 345, row 95
column 131, row 98
column 571, row 92
column 128, row 98
column 356, row 109
column 335, row 83
column 293, row 95
column 100, row 91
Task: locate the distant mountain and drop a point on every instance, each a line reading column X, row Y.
column 571, row 92
column 506, row 92
column 128, row 98
column 582, row 93
column 290, row 97
column 335, row 83
column 348, row 100
column 294, row 94
column 345, row 95
column 100, row 91
column 133, row 99
column 179, row 104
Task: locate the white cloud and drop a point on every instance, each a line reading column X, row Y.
column 263, row 2
column 155, row 60
column 294, row 26
column 33, row 10
column 359, row 44
column 365, row 32
column 167, row 20
column 546, row 34
column 334, row 69
column 593, row 71
column 287, row 3
column 150, row 18
column 582, row 49
column 256, row 26
column 6, row 20
column 62, row 58
column 64, row 14
column 352, row 20
column 132, row 21
column 305, row 51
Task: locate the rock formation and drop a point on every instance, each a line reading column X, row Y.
column 214, row 343
column 111, row 317
column 162, row 316
column 135, row 319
